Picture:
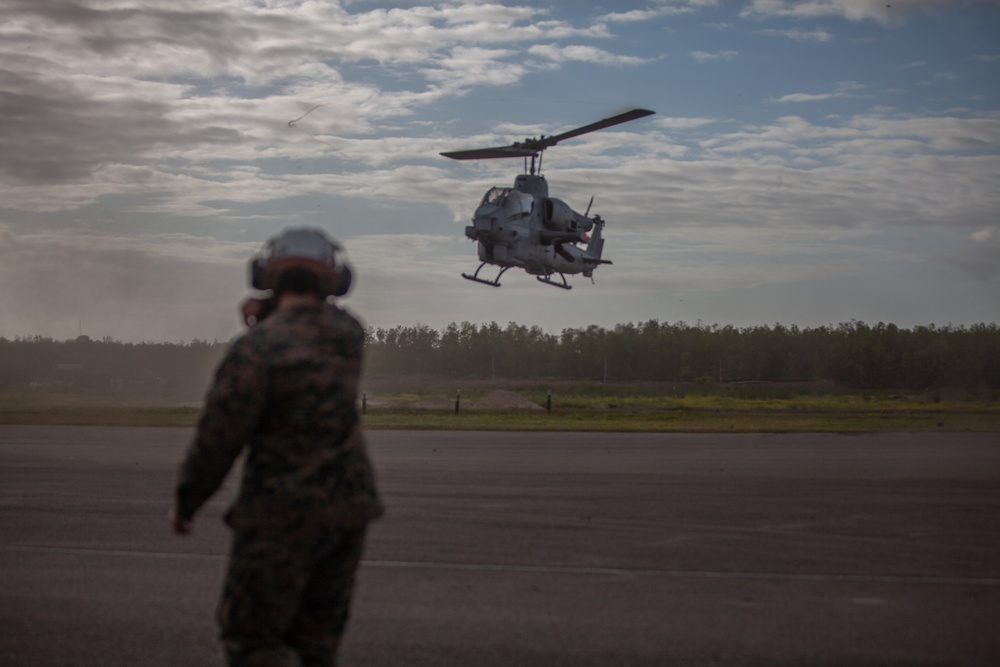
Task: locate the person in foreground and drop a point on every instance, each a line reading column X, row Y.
column 286, row 393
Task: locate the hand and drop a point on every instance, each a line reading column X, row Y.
column 178, row 525
column 254, row 310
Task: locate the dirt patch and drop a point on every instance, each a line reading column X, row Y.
column 429, row 403
column 433, row 404
column 501, row 399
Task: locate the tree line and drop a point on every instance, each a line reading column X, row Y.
column 854, row 355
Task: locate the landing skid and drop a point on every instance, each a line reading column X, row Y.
column 548, row 281
column 492, row 283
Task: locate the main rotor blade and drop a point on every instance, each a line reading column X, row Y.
column 488, row 153
column 530, row 147
column 545, row 142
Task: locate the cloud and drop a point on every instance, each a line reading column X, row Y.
column 801, row 35
column 740, row 190
column 465, row 67
column 660, row 8
column 841, row 90
column 795, row 98
column 979, row 255
column 124, row 122
column 986, row 236
column 125, row 81
column 587, row 54
column 904, row 138
column 708, row 56
column 683, row 123
column 93, row 90
column 881, row 11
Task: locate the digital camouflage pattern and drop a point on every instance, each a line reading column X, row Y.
column 286, row 599
column 286, row 391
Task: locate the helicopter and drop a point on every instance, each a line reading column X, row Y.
column 523, row 227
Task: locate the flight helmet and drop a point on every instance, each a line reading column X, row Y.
column 303, row 247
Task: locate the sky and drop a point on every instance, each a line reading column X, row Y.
column 809, row 163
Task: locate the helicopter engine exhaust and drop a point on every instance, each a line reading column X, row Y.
column 558, row 216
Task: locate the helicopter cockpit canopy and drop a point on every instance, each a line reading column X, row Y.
column 514, row 203
column 493, row 196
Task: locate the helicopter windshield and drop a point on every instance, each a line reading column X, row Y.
column 514, row 202
column 518, row 204
column 494, row 196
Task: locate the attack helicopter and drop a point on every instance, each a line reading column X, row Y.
column 523, row 227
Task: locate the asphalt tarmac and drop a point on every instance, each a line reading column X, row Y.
column 537, row 549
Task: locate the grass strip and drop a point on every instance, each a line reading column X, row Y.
column 668, row 415
column 681, row 421
column 563, row 420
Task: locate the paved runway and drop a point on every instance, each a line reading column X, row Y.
column 538, row 549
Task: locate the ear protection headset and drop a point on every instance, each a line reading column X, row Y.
column 303, row 247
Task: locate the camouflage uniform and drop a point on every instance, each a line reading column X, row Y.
column 287, row 391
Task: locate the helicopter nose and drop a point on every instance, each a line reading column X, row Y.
column 482, row 224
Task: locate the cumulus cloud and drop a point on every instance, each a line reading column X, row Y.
column 658, row 9
column 96, row 84
column 987, row 235
column 801, row 35
column 708, row 56
column 886, row 13
column 147, row 151
column 683, row 123
column 980, row 254
column 465, row 67
column 794, row 98
column 587, row 54
column 843, row 89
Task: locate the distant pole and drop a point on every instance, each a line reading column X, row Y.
column 364, row 404
column 458, row 400
column 548, row 403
